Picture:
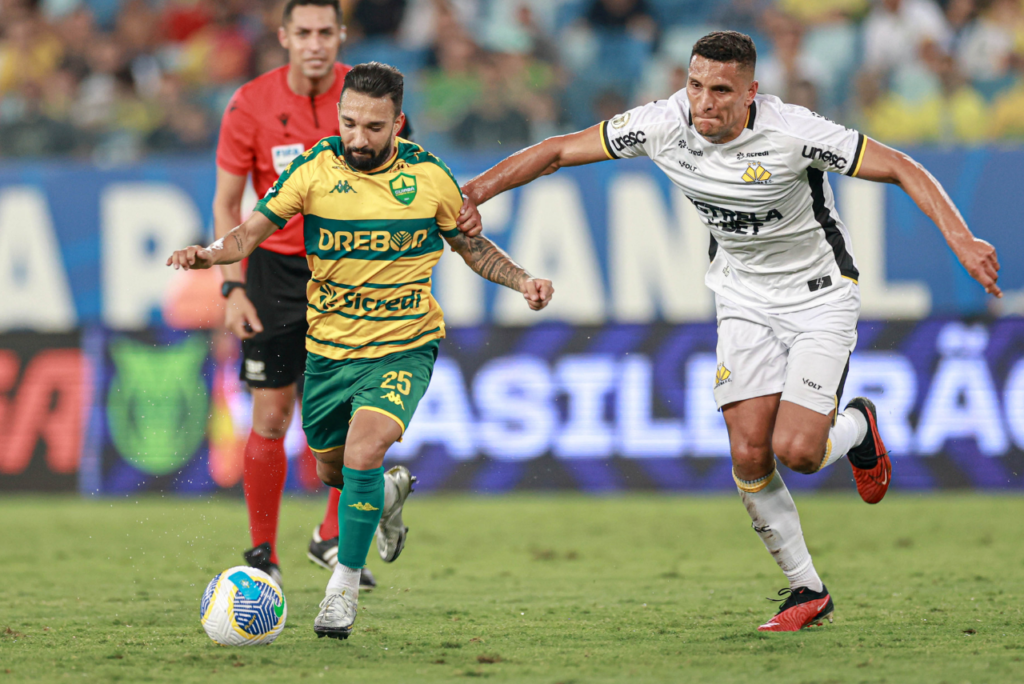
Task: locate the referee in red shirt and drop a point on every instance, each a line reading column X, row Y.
column 268, row 122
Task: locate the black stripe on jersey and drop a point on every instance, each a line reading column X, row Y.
column 712, row 248
column 816, row 179
column 689, row 118
column 842, row 384
column 607, row 141
column 855, row 164
column 751, row 115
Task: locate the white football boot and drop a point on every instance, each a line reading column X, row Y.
column 336, row 617
column 391, row 532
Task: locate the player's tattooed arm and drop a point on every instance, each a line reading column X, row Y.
column 233, row 247
column 494, row 264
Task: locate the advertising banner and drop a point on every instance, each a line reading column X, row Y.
column 553, row 406
column 45, row 401
column 620, row 242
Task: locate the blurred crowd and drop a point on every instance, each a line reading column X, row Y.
column 113, row 80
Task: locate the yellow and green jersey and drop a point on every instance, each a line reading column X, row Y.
column 372, row 239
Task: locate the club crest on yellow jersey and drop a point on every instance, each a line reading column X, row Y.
column 403, row 187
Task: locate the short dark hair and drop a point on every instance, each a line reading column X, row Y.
column 292, row 4
column 727, row 46
column 376, row 80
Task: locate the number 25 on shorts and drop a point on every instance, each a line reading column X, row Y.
column 402, row 378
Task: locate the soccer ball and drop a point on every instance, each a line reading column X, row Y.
column 243, row 606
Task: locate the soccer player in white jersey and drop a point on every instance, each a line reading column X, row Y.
column 783, row 273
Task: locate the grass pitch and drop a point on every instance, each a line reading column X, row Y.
column 524, row 588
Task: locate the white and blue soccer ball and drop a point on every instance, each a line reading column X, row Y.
column 243, row 606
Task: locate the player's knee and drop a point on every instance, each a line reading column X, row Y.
column 798, row 452
column 367, row 453
column 751, row 459
column 272, row 414
column 330, row 474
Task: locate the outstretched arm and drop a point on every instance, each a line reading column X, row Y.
column 574, row 149
column 886, row 165
column 491, row 262
column 233, row 247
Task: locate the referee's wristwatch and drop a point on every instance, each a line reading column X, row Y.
column 228, row 285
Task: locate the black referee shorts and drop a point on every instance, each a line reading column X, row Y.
column 276, row 285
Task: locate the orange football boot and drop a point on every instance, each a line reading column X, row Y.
column 870, row 461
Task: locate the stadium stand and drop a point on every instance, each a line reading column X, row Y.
column 114, row 80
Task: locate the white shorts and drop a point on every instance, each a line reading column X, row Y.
column 804, row 354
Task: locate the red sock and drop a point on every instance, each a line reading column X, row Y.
column 329, row 527
column 266, row 467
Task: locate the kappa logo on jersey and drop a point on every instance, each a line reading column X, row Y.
column 372, row 240
column 731, row 221
column 403, row 187
column 631, row 139
column 365, row 507
column 621, row 120
column 342, row 187
column 722, row 375
column 756, row 173
column 830, row 158
column 393, row 398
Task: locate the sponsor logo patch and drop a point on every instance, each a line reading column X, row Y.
column 819, row 283
column 283, row 155
column 255, row 370
column 722, row 375
column 621, row 120
column 629, row 140
column 830, row 158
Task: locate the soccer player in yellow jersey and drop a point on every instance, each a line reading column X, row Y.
column 375, row 208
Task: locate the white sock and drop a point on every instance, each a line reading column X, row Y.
column 777, row 522
column 390, row 493
column 344, row 580
column 850, row 430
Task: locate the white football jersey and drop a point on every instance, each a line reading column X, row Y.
column 777, row 243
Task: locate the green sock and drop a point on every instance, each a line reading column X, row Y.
column 359, row 510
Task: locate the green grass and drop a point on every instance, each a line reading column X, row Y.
column 525, row 588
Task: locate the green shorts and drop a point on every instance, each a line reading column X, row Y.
column 335, row 390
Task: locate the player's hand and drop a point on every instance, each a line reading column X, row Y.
column 537, row 292
column 191, row 257
column 980, row 260
column 240, row 315
column 469, row 218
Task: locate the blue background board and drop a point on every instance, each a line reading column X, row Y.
column 983, row 183
column 618, row 407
